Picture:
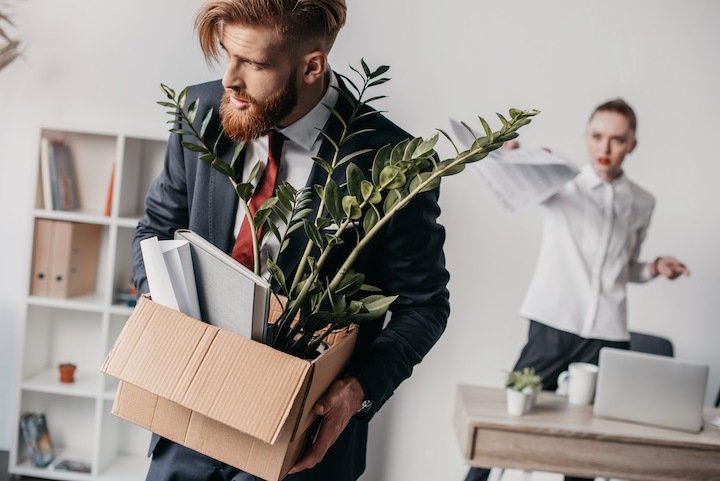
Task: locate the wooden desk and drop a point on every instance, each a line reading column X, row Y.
column 560, row 437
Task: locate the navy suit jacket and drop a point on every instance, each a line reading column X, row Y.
column 406, row 258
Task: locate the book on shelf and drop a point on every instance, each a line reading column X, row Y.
column 45, row 174
column 63, row 181
column 109, row 195
column 37, row 439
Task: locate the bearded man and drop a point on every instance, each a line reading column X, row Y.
column 274, row 96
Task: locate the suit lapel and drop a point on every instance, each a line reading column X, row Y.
column 223, row 200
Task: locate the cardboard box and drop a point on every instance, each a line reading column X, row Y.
column 231, row 398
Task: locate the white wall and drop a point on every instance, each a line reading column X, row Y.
column 98, row 65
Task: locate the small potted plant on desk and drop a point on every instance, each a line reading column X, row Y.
column 522, row 388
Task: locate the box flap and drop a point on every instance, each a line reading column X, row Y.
column 327, row 368
column 244, row 384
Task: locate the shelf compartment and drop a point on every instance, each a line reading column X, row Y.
column 70, row 422
column 142, row 162
column 25, row 468
column 54, row 336
column 93, row 156
column 87, row 384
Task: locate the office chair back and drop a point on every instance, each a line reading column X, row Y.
column 647, row 343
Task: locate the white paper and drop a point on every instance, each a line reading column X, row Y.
column 169, row 270
column 523, row 177
column 519, row 177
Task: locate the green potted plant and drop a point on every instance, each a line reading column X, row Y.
column 315, row 305
column 522, row 387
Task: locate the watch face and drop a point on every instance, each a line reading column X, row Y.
column 365, row 406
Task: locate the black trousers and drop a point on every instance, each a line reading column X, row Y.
column 550, row 351
column 344, row 461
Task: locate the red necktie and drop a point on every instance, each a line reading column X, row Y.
column 242, row 250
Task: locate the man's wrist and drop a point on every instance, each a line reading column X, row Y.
column 361, row 402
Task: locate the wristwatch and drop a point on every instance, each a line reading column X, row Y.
column 365, row 407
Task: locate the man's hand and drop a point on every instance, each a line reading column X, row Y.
column 669, row 267
column 339, row 403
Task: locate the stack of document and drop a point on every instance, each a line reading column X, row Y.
column 519, row 177
column 193, row 276
column 524, row 177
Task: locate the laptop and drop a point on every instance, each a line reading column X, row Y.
column 651, row 389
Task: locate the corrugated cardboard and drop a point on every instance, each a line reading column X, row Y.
column 231, row 398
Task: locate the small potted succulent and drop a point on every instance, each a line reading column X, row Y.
column 522, row 387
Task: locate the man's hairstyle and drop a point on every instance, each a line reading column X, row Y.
column 297, row 21
column 618, row 106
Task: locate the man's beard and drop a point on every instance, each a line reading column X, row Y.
column 258, row 118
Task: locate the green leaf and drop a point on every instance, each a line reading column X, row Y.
column 426, row 147
column 445, row 134
column 333, row 200
column 350, row 284
column 180, row 132
column 379, row 71
column 208, row 158
column 351, row 136
column 206, row 122
column 410, row 148
column 268, row 204
column 194, row 147
column 168, row 105
column 277, row 274
column 352, row 155
column 255, row 172
column 223, row 168
column 261, row 217
column 420, row 179
column 192, row 111
column 365, row 68
column 487, row 129
column 320, row 191
column 504, row 121
column 330, row 139
column 181, row 97
column 392, row 178
column 313, row 233
column 286, row 195
column 398, row 152
column 382, row 156
column 371, row 218
column 369, row 193
column 475, row 157
column 351, row 207
column 244, row 191
column 324, row 165
column 337, row 115
column 393, row 197
column 374, row 306
column 238, row 148
column 378, row 82
column 445, row 164
column 514, row 113
column 168, row 91
column 369, row 288
column 354, row 177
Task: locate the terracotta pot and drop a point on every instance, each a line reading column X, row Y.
column 67, row 372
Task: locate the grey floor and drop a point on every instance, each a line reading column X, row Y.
column 4, row 476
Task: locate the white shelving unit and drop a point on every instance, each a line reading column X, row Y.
column 82, row 329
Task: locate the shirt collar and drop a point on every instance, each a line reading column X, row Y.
column 591, row 180
column 306, row 129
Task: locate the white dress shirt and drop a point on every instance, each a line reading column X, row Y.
column 592, row 234
column 302, row 144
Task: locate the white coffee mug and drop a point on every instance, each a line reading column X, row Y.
column 578, row 382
